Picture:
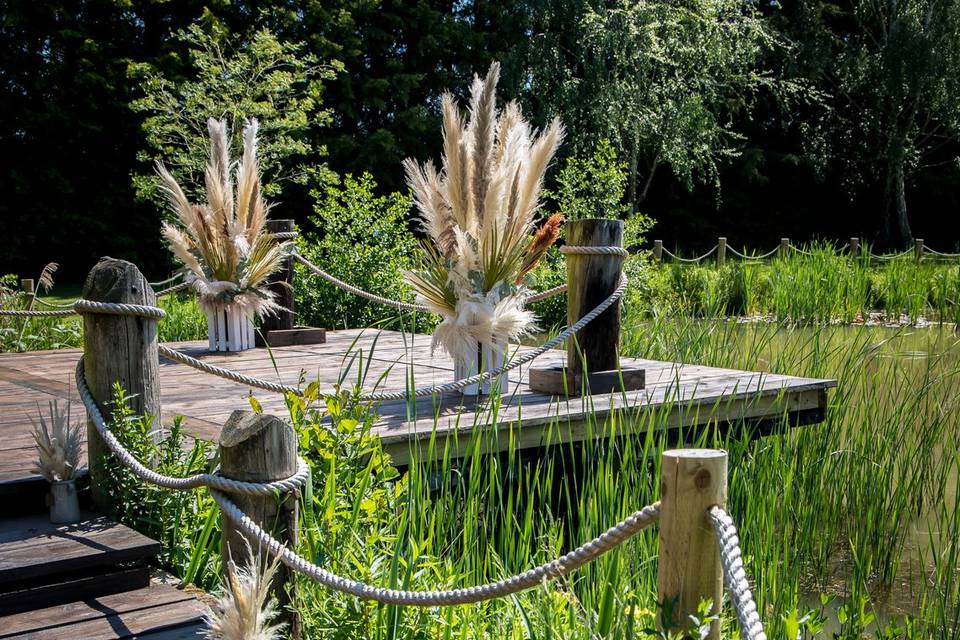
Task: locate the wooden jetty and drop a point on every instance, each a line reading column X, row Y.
column 692, row 394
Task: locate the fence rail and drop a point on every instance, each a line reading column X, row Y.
column 853, row 248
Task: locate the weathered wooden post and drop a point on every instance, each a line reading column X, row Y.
column 721, row 250
column 692, row 481
column 918, row 249
column 590, row 280
column 29, row 289
column 784, row 247
column 118, row 348
column 658, row 250
column 854, row 246
column 594, row 350
column 256, row 447
column 281, row 284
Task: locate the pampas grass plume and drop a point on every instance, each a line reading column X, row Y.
column 58, row 444
column 245, row 610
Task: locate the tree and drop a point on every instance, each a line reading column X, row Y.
column 660, row 79
column 891, row 68
column 233, row 77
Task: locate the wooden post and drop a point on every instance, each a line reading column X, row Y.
column 118, row 349
column 855, row 246
column 281, row 284
column 28, row 288
column 721, row 250
column 658, row 250
column 918, row 249
column 692, row 481
column 590, row 281
column 784, row 247
column 258, row 448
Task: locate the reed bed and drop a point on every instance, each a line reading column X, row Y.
column 819, row 285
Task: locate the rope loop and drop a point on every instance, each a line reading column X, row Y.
column 594, row 251
column 82, row 306
column 735, row 576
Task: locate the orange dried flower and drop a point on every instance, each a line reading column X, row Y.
column 540, row 243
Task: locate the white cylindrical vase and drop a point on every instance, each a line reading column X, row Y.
column 484, row 358
column 229, row 329
column 64, row 506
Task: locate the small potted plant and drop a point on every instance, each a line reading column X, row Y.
column 223, row 244
column 478, row 212
column 58, row 449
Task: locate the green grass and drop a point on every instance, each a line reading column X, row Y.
column 820, row 285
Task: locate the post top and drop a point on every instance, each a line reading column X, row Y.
column 243, row 425
column 695, row 453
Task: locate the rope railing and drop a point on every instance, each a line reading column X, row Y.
column 219, row 486
column 735, row 576
column 746, row 257
column 419, row 392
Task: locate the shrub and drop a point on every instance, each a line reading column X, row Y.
column 361, row 238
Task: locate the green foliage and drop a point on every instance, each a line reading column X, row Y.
column 233, row 78
column 361, row 238
column 659, row 79
column 186, row 523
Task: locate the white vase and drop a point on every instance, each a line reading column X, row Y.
column 229, row 329
column 64, row 506
column 486, row 358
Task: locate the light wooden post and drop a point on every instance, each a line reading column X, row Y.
column 118, row 349
column 590, row 280
column 281, row 284
column 692, row 481
column 784, row 247
column 721, row 250
column 658, row 250
column 918, row 249
column 855, row 247
column 259, row 448
column 29, row 289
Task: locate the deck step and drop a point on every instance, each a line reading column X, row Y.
column 156, row 612
column 44, row 564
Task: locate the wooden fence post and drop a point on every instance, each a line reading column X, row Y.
column 918, row 249
column 259, row 448
column 658, row 250
column 784, row 247
column 855, row 247
column 590, row 281
column 118, row 349
column 721, row 250
column 281, row 284
column 692, row 481
column 29, row 289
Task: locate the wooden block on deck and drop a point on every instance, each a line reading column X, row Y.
column 288, row 337
column 560, row 381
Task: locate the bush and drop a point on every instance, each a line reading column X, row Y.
column 363, row 239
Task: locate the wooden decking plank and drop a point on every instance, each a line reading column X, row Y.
column 31, row 546
column 123, row 615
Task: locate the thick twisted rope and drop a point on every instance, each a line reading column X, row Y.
column 396, row 304
column 419, row 392
column 549, row 293
column 743, row 256
column 594, row 251
column 54, row 305
column 173, row 289
column 24, row 313
column 734, row 574
column 228, row 374
column 690, row 260
column 211, row 481
column 608, row 540
column 285, row 235
column 160, row 283
column 940, row 253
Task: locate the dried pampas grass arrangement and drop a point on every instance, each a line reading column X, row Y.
column 478, row 212
column 245, row 610
column 223, row 244
column 58, row 444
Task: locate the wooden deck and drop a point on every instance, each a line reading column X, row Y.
column 691, row 394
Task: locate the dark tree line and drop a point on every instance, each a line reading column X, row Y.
column 840, row 118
